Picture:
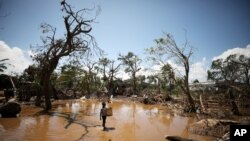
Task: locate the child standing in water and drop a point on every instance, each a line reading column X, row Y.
column 103, row 115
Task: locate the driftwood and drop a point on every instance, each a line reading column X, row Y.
column 202, row 104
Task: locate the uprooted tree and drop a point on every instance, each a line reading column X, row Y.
column 166, row 48
column 75, row 42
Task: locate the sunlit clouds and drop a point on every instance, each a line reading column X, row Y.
column 18, row 59
column 238, row 51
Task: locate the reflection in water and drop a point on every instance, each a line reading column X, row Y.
column 75, row 107
column 79, row 120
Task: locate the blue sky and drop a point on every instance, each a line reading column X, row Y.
column 213, row 26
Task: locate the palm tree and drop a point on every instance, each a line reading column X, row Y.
column 3, row 65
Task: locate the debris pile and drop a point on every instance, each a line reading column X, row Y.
column 211, row 127
column 153, row 97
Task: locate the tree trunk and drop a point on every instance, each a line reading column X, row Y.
column 55, row 93
column 45, row 84
column 110, row 86
column 235, row 108
column 187, row 91
column 134, row 84
column 38, row 99
column 247, row 77
column 159, row 86
column 170, row 87
column 46, row 90
column 47, row 94
column 88, row 86
column 191, row 102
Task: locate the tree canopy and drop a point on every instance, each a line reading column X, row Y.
column 132, row 66
column 235, row 68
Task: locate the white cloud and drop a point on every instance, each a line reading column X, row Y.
column 143, row 71
column 237, row 50
column 31, row 53
column 17, row 58
column 198, row 70
column 122, row 74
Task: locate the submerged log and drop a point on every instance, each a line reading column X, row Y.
column 177, row 138
column 10, row 109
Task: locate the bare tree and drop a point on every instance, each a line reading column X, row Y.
column 76, row 41
column 167, row 48
column 90, row 65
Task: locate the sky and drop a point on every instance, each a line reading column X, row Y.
column 214, row 27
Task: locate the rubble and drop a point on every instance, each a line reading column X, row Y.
column 212, row 127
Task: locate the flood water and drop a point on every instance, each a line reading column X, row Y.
column 79, row 120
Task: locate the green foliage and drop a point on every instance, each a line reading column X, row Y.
column 5, row 82
column 167, row 73
column 109, row 69
column 73, row 77
column 132, row 66
column 69, row 76
column 233, row 69
column 31, row 74
column 131, row 62
column 104, row 62
column 196, row 81
column 141, row 83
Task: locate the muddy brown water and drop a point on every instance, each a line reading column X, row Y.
column 79, row 120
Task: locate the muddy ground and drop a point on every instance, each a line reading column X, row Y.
column 79, row 120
